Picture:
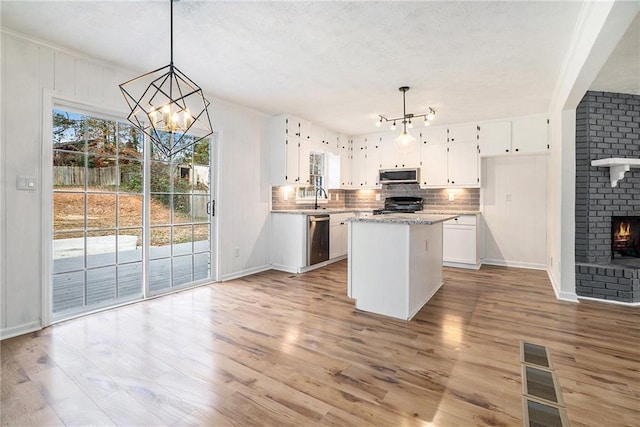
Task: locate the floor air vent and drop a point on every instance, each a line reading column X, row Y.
column 541, row 397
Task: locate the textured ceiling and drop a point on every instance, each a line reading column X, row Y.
column 334, row 63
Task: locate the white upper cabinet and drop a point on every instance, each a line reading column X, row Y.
column 520, row 135
column 373, row 152
column 530, row 134
column 434, row 172
column 317, row 138
column 284, row 147
column 495, row 138
column 290, row 141
column 435, row 135
column 346, row 159
column 462, row 161
column 331, row 142
column 366, row 161
column 463, row 133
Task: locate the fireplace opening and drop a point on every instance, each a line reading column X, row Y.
column 625, row 237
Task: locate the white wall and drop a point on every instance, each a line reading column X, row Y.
column 33, row 70
column 514, row 211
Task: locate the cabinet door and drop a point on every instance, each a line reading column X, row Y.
column 463, row 133
column 495, row 138
column 359, row 162
column 459, row 244
column 434, row 165
column 330, row 141
column 335, row 239
column 292, row 160
column 373, row 161
column 463, row 164
column 317, row 138
column 434, row 135
column 345, row 164
column 410, row 159
column 530, row 134
column 305, row 130
column 304, row 164
column 388, row 152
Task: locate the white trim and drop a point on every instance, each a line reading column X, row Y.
column 3, row 185
column 462, row 265
column 515, row 264
column 215, row 163
column 562, row 296
column 610, row 301
column 25, row 328
column 46, row 188
column 248, row 272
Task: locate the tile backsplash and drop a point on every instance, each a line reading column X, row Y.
column 465, row 199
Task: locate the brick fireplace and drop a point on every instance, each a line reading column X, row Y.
column 607, row 126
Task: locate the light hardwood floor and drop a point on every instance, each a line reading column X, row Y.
column 279, row 349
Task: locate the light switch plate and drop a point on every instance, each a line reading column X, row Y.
column 26, row 183
column 377, row 197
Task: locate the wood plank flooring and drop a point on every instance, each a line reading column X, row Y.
column 281, row 349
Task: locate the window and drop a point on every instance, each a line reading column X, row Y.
column 316, row 178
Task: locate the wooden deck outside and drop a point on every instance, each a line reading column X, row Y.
column 69, row 295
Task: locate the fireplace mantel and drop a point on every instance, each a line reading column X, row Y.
column 617, row 167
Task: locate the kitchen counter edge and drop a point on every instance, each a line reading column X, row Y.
column 409, row 219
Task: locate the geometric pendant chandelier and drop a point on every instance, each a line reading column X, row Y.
column 166, row 105
column 405, row 142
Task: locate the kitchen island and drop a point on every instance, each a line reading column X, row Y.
column 395, row 262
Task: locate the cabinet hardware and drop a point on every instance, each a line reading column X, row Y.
column 507, row 150
column 517, row 149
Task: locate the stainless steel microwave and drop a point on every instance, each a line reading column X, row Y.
column 399, row 176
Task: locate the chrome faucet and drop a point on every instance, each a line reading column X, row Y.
column 319, row 190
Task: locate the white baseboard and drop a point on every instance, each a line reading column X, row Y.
column 14, row 331
column 462, row 265
column 609, row 301
column 296, row 270
column 515, row 264
column 246, row 272
column 560, row 295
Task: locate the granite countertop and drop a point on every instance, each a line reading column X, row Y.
column 409, row 219
column 320, row 211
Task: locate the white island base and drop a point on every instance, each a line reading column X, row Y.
column 394, row 268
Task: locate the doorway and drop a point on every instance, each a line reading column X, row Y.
column 127, row 223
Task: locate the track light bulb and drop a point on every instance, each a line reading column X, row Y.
column 378, row 123
column 393, row 126
column 431, row 114
column 410, row 125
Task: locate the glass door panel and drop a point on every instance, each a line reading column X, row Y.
column 97, row 213
column 180, row 218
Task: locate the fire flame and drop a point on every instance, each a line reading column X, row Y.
column 624, row 231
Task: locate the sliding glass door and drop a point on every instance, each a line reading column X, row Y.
column 180, row 218
column 127, row 222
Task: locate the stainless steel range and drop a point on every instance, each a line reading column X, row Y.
column 400, row 204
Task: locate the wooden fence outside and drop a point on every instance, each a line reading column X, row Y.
column 74, row 176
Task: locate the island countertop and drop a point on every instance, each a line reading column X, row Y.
column 405, row 218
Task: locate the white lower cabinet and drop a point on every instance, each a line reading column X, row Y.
column 289, row 242
column 338, row 234
column 460, row 242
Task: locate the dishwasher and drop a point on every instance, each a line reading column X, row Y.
column 317, row 239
